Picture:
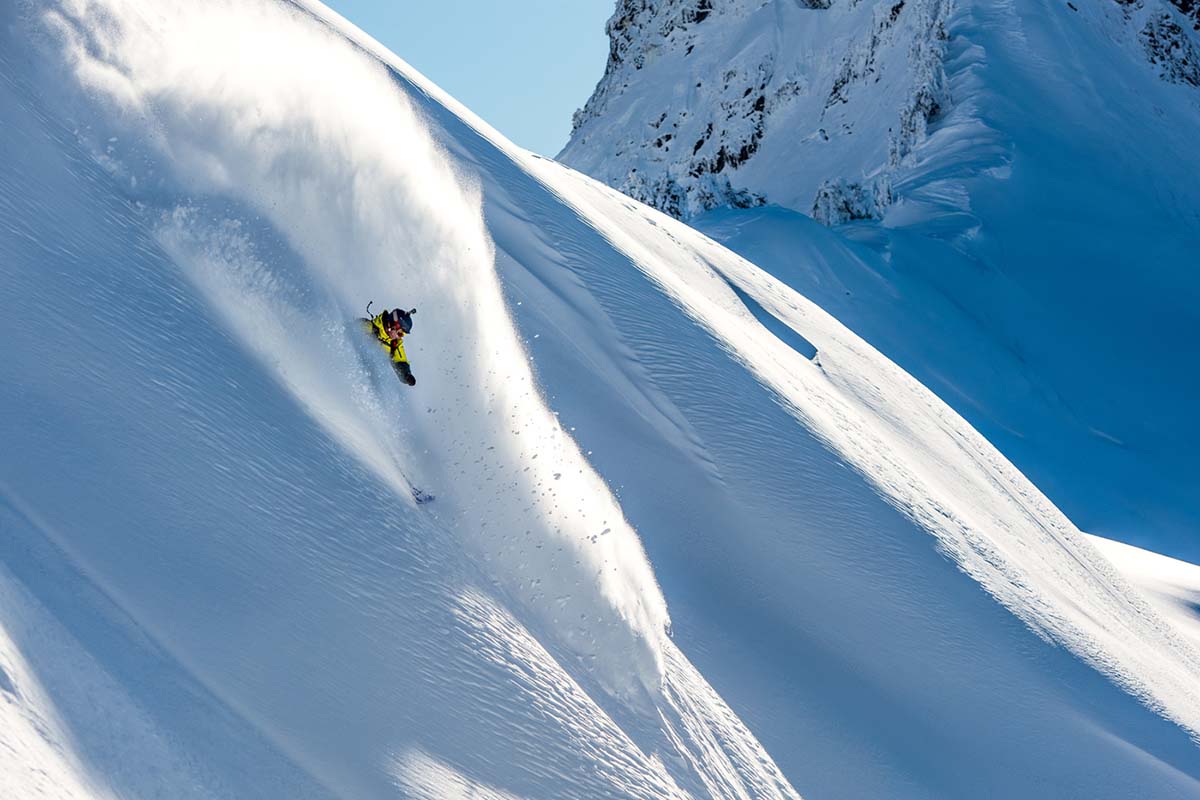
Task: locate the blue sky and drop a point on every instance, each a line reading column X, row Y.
column 524, row 67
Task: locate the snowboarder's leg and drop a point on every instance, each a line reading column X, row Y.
column 404, row 372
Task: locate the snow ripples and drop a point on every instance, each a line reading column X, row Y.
column 292, row 180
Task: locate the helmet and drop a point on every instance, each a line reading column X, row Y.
column 401, row 319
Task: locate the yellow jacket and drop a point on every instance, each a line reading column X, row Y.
column 394, row 346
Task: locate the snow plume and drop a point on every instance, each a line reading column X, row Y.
column 292, row 181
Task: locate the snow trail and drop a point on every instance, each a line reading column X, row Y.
column 292, row 188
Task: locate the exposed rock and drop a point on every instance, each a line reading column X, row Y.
column 1171, row 50
column 1190, row 9
column 695, row 91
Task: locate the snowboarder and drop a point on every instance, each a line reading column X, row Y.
column 389, row 328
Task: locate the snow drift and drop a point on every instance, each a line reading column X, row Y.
column 227, row 210
column 206, row 483
column 1015, row 185
column 368, row 207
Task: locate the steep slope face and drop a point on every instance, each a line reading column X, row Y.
column 815, row 105
column 1014, row 184
column 207, row 471
column 740, row 102
column 212, row 496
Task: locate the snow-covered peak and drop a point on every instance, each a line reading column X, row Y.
column 741, row 102
column 1021, row 173
column 816, row 105
column 215, row 579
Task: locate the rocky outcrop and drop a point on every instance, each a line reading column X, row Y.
column 1170, row 48
column 1167, row 31
column 1190, row 10
column 699, row 97
column 817, row 105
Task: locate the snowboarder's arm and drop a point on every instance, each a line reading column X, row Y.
column 404, row 373
column 397, row 349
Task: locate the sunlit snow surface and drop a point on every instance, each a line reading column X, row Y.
column 1030, row 171
column 215, row 580
column 1171, row 586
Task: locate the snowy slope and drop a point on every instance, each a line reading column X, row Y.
column 1171, row 586
column 1015, row 184
column 199, row 431
column 210, row 540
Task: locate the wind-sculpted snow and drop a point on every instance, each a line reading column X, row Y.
column 206, row 474
column 928, row 463
column 45, row 676
column 208, row 470
column 257, row 116
column 1172, row 586
column 1018, row 172
column 824, row 576
column 300, row 606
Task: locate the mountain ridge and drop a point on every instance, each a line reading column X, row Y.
column 615, row 412
column 1041, row 205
